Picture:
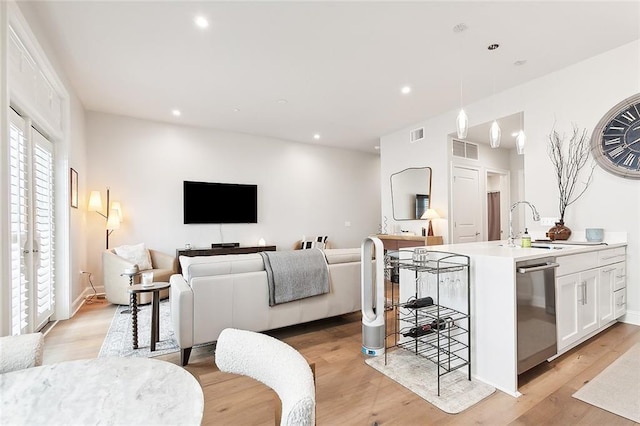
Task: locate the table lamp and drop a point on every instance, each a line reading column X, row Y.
column 429, row 215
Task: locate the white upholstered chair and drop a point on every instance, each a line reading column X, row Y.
column 275, row 364
column 116, row 285
column 21, row 351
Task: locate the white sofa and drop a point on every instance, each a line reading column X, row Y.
column 231, row 291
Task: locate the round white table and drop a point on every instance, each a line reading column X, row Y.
column 105, row 391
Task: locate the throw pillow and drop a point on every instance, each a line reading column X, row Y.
column 136, row 254
column 314, row 242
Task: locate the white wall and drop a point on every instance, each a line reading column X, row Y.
column 302, row 189
column 580, row 94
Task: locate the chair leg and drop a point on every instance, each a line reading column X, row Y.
column 184, row 356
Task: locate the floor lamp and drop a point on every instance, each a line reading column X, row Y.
column 113, row 215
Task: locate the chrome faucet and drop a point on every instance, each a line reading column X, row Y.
column 536, row 217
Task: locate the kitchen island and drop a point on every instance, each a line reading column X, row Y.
column 584, row 269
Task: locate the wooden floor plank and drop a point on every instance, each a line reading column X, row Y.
column 350, row 392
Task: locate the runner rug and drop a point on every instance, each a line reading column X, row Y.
column 617, row 388
column 119, row 339
column 419, row 375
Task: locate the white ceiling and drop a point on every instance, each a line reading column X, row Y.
column 289, row 69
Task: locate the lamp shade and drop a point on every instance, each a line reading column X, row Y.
column 113, row 221
column 462, row 124
column 521, row 140
column 115, row 206
column 95, row 201
column 494, row 134
column 430, row 214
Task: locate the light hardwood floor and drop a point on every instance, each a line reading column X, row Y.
column 349, row 392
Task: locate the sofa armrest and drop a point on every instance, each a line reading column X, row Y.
column 181, row 299
column 161, row 260
column 115, row 284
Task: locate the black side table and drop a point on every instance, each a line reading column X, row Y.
column 129, row 273
column 155, row 310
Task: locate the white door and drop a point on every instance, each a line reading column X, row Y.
column 568, row 291
column 32, row 226
column 466, row 205
column 589, row 310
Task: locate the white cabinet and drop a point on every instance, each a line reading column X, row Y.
column 576, row 307
column 620, row 303
column 612, row 284
column 590, row 293
column 612, row 293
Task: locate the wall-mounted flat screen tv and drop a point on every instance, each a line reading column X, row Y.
column 213, row 202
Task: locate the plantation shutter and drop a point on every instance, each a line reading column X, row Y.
column 32, row 227
column 18, row 195
column 43, row 253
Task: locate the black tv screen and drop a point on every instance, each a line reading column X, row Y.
column 210, row 202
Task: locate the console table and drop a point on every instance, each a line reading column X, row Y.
column 217, row 251
column 396, row 242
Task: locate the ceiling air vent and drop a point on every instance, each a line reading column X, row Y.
column 416, row 135
column 465, row 149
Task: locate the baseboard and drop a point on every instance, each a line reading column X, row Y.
column 631, row 317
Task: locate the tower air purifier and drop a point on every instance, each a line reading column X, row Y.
column 372, row 276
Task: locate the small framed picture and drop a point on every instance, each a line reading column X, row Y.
column 73, row 179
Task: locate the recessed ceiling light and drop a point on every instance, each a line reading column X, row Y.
column 520, row 62
column 176, row 112
column 316, row 136
column 201, row 21
column 405, row 90
column 493, row 46
column 236, row 110
column 282, row 101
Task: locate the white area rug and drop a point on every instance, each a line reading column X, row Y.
column 119, row 339
column 617, row 388
column 419, row 375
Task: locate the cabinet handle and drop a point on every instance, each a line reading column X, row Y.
column 621, row 276
column 585, row 293
column 608, row 270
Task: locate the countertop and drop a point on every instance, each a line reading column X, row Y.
column 501, row 249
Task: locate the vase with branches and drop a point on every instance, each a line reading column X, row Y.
column 568, row 160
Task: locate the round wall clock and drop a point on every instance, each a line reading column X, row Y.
column 615, row 142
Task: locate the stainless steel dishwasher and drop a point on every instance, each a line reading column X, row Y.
column 536, row 311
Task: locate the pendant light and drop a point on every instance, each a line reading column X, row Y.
column 494, row 131
column 494, row 134
column 462, row 121
column 521, row 140
column 462, row 124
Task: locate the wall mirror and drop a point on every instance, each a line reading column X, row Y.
column 411, row 193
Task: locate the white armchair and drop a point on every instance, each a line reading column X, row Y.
column 277, row 365
column 116, row 284
column 21, row 351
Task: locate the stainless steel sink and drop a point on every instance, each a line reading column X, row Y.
column 546, row 246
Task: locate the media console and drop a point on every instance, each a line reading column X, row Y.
column 217, row 251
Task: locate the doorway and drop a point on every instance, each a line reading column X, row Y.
column 497, row 203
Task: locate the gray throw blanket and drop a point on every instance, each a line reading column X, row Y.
column 295, row 274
